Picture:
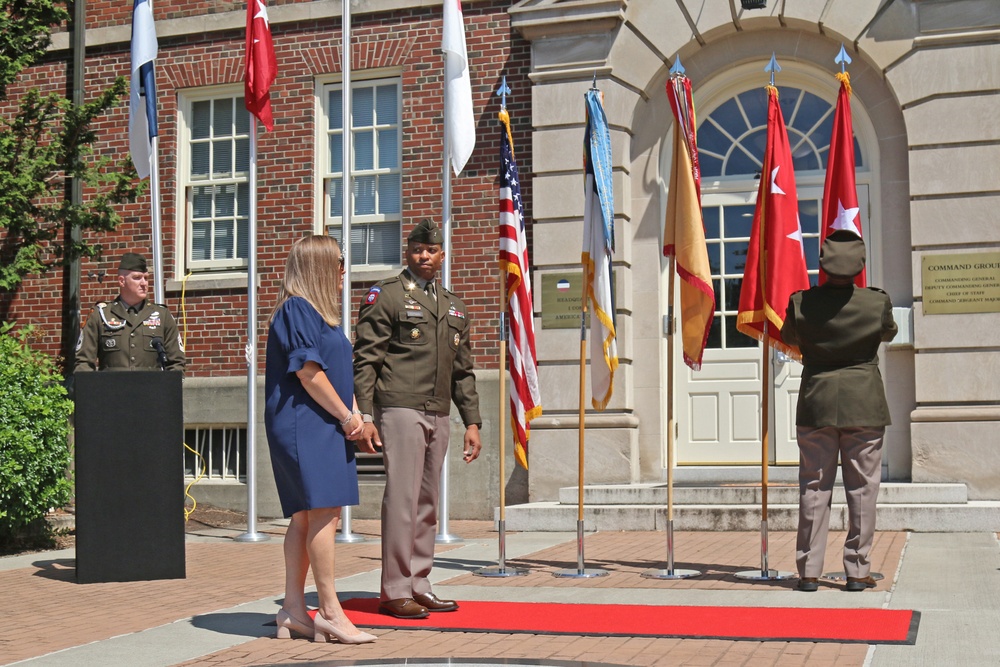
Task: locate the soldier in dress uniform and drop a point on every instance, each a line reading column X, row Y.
column 842, row 409
column 412, row 358
column 130, row 333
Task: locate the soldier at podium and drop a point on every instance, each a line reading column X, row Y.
column 130, row 333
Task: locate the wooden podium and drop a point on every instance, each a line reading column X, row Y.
column 129, row 476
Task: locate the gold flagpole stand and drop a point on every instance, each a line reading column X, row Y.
column 581, row 571
column 764, row 573
column 670, row 572
column 501, row 569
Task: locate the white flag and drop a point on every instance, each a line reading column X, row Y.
column 142, row 100
column 460, row 124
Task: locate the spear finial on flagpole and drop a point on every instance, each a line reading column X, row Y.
column 593, row 83
column 842, row 59
column 502, row 92
column 772, row 67
column 677, row 69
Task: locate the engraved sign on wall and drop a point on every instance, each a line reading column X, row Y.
column 961, row 283
column 561, row 296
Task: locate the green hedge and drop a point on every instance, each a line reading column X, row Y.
column 34, row 436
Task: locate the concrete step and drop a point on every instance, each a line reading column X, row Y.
column 778, row 493
column 972, row 516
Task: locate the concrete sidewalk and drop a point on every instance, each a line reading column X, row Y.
column 218, row 615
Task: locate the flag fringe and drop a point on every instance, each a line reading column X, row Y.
column 845, row 80
column 746, row 318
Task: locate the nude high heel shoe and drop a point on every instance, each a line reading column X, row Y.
column 287, row 624
column 324, row 631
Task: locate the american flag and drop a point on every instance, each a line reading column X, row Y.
column 525, row 400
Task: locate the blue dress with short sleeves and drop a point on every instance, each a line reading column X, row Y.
column 313, row 463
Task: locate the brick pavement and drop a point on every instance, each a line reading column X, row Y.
column 46, row 611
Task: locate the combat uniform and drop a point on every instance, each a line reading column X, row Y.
column 411, row 359
column 842, row 408
column 116, row 339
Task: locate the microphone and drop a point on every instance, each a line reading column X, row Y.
column 161, row 354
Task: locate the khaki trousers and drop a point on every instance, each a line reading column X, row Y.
column 414, row 443
column 860, row 451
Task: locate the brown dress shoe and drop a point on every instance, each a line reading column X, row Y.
column 855, row 584
column 434, row 603
column 402, row 608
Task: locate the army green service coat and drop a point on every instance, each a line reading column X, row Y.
column 839, row 329
column 413, row 351
column 113, row 339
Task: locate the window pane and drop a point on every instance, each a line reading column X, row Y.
column 201, row 116
column 199, row 241
column 225, row 201
column 336, row 153
column 711, row 139
column 731, row 120
column 222, row 122
column 243, row 199
column 224, row 242
column 387, row 105
column 714, row 253
column 335, row 190
column 242, row 118
column 335, row 109
column 202, row 202
column 388, row 149
column 364, row 150
column 362, row 107
column 711, row 216
column 737, row 221
column 243, row 238
column 715, row 334
column 364, row 195
column 736, row 257
column 736, row 339
column 388, row 194
column 384, row 243
column 222, row 158
column 199, row 160
column 243, row 156
column 359, row 255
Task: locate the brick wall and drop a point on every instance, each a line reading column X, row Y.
column 410, row 40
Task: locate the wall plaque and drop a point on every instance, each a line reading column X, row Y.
column 961, row 283
column 561, row 296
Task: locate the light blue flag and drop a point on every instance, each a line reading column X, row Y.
column 598, row 246
column 142, row 101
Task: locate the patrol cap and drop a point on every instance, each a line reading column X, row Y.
column 426, row 232
column 842, row 254
column 132, row 261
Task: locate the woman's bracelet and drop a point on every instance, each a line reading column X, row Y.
column 347, row 420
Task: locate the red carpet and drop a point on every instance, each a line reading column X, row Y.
column 865, row 626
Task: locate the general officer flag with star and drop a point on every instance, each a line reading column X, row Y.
column 840, row 194
column 776, row 263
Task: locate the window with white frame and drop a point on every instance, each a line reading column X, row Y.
column 376, row 172
column 215, row 174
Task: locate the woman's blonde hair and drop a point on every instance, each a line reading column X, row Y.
column 311, row 272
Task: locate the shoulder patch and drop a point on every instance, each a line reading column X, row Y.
column 373, row 294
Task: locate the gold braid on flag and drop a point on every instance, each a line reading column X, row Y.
column 845, row 78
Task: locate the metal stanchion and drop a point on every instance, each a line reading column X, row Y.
column 580, row 572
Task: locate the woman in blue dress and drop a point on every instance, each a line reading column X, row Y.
column 311, row 418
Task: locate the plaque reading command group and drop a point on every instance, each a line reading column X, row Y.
column 961, row 283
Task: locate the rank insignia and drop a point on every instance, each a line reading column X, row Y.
column 414, row 333
column 457, row 339
column 373, row 295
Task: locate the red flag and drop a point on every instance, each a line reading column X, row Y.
column 525, row 397
column 261, row 65
column 840, row 195
column 776, row 263
column 684, row 229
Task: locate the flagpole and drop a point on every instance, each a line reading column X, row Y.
column 580, row 570
column 347, row 210
column 765, row 573
column 251, row 534
column 676, row 74
column 159, row 285
column 443, row 535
